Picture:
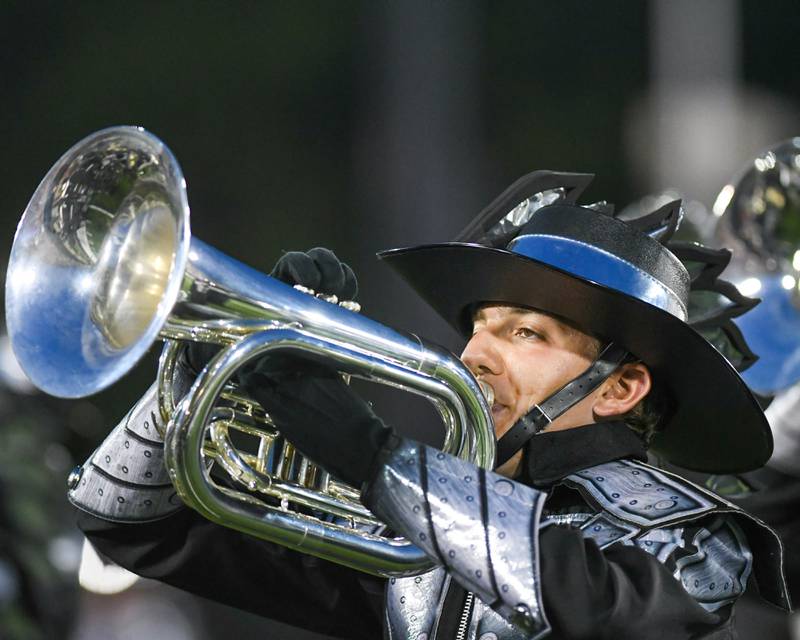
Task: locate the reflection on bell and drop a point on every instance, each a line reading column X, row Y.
column 757, row 217
column 135, row 271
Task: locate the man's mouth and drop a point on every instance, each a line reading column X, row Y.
column 497, row 409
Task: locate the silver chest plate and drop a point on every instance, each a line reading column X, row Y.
column 414, row 606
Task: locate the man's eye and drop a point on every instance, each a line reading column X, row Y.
column 527, row 332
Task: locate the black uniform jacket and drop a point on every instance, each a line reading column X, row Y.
column 619, row 592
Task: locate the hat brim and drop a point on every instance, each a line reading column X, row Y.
column 716, row 424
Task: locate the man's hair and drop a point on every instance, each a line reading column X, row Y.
column 648, row 415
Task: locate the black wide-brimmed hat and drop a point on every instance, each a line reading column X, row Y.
column 534, row 247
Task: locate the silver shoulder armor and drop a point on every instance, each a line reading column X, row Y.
column 125, row 480
column 704, row 539
column 474, row 522
column 641, row 495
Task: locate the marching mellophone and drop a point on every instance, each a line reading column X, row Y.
column 103, row 264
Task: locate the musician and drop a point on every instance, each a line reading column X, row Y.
column 578, row 323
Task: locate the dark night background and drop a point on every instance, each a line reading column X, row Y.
column 368, row 125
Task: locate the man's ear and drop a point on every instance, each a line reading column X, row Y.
column 623, row 390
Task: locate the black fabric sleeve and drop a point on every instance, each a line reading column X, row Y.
column 621, row 592
column 193, row 554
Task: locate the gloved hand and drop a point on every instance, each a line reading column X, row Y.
column 318, row 269
column 322, row 416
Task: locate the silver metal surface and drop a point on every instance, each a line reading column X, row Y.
column 483, row 527
column 716, row 573
column 96, row 262
column 637, row 493
column 125, row 479
column 757, row 216
column 105, row 243
column 414, row 604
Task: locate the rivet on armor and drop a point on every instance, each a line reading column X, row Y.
column 504, row 487
column 74, row 477
column 523, row 610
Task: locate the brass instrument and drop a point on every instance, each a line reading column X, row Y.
column 103, row 264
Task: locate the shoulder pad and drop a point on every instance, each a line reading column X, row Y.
column 642, row 495
column 636, row 493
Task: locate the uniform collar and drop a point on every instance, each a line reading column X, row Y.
column 551, row 456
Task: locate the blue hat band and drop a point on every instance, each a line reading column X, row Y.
column 588, row 262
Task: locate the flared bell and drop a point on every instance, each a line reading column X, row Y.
column 97, row 261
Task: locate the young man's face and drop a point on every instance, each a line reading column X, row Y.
column 525, row 356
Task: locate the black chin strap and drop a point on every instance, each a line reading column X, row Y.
column 567, row 396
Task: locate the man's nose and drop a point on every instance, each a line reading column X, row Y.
column 481, row 355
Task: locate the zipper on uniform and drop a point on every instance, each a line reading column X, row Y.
column 463, row 625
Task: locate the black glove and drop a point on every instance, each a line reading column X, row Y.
column 318, row 269
column 323, row 417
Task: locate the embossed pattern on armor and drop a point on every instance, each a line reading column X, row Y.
column 661, row 543
column 397, row 496
column 487, row 624
column 144, row 417
column 605, row 530
column 716, row 574
column 639, row 494
column 119, row 502
column 414, row 604
column 482, row 526
column 126, row 480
